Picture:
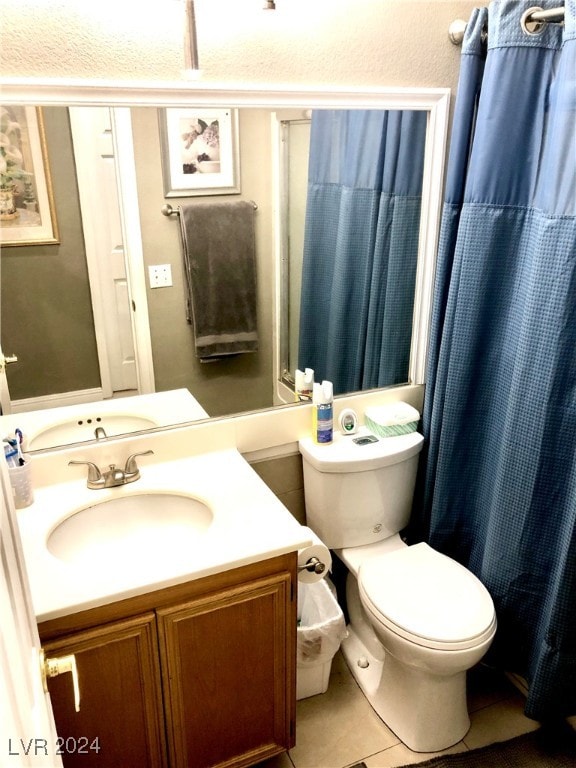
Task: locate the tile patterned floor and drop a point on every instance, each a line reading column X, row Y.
column 339, row 728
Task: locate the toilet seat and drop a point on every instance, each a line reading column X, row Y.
column 427, row 598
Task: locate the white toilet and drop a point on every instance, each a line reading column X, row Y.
column 418, row 619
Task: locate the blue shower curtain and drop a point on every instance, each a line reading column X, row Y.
column 499, row 484
column 361, row 246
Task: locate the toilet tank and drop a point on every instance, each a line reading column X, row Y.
column 357, row 491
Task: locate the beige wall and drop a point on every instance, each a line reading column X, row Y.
column 243, row 382
column 308, row 42
column 45, row 296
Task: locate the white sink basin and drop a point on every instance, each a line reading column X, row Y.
column 131, row 528
column 81, row 429
column 186, row 518
column 70, row 424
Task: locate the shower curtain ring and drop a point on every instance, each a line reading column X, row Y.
column 529, row 25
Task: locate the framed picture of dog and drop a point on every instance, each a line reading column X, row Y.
column 199, row 152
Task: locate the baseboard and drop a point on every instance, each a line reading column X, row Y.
column 518, row 682
column 78, row 397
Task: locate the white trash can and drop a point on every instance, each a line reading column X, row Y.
column 321, row 629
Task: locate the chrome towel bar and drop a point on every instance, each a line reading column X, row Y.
column 167, row 209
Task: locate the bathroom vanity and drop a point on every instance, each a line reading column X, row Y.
column 198, row 674
column 175, row 595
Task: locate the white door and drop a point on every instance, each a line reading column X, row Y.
column 27, row 730
column 105, row 252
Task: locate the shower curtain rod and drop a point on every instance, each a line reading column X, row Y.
column 551, row 15
column 535, row 16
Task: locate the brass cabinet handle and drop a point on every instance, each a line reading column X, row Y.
column 58, row 666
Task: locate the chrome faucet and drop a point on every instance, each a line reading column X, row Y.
column 113, row 476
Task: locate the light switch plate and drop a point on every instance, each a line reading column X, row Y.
column 160, row 275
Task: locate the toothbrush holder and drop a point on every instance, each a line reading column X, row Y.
column 21, row 482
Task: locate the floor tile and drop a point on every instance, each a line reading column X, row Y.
column 401, row 755
column 486, row 686
column 339, row 727
column 280, row 761
column 498, row 722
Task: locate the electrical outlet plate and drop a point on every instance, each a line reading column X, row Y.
column 160, row 275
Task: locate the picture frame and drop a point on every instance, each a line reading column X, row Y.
column 199, row 149
column 27, row 210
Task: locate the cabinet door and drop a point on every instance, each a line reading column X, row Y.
column 120, row 722
column 228, row 672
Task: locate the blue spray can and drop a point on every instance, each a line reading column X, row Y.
column 323, row 401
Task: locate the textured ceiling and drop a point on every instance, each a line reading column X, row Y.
column 311, row 42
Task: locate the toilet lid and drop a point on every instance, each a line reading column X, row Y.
column 426, row 595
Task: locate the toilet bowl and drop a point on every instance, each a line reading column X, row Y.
column 418, row 620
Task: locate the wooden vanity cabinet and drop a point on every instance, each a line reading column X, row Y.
column 120, row 722
column 224, row 662
column 201, row 674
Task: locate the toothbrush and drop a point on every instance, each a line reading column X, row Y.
column 19, row 439
column 9, row 454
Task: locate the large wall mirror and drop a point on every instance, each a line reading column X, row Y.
column 81, row 314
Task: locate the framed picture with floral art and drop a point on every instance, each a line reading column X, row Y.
column 199, row 150
column 27, row 214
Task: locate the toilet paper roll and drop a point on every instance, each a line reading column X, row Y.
column 317, row 550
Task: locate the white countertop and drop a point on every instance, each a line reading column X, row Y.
column 51, row 427
column 250, row 524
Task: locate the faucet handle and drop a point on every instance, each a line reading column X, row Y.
column 131, row 467
column 94, row 474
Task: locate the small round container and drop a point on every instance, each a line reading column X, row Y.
column 348, row 422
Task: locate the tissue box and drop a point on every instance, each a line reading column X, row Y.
column 392, row 419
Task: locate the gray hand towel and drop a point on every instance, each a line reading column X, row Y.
column 219, row 261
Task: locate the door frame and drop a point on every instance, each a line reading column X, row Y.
column 27, row 727
column 127, row 192
column 132, row 233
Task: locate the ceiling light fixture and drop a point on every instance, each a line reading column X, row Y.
column 190, row 41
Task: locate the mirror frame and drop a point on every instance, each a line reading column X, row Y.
column 435, row 101
column 432, row 185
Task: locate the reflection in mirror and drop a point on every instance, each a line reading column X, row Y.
column 51, row 427
column 350, row 285
column 49, row 293
column 49, row 304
